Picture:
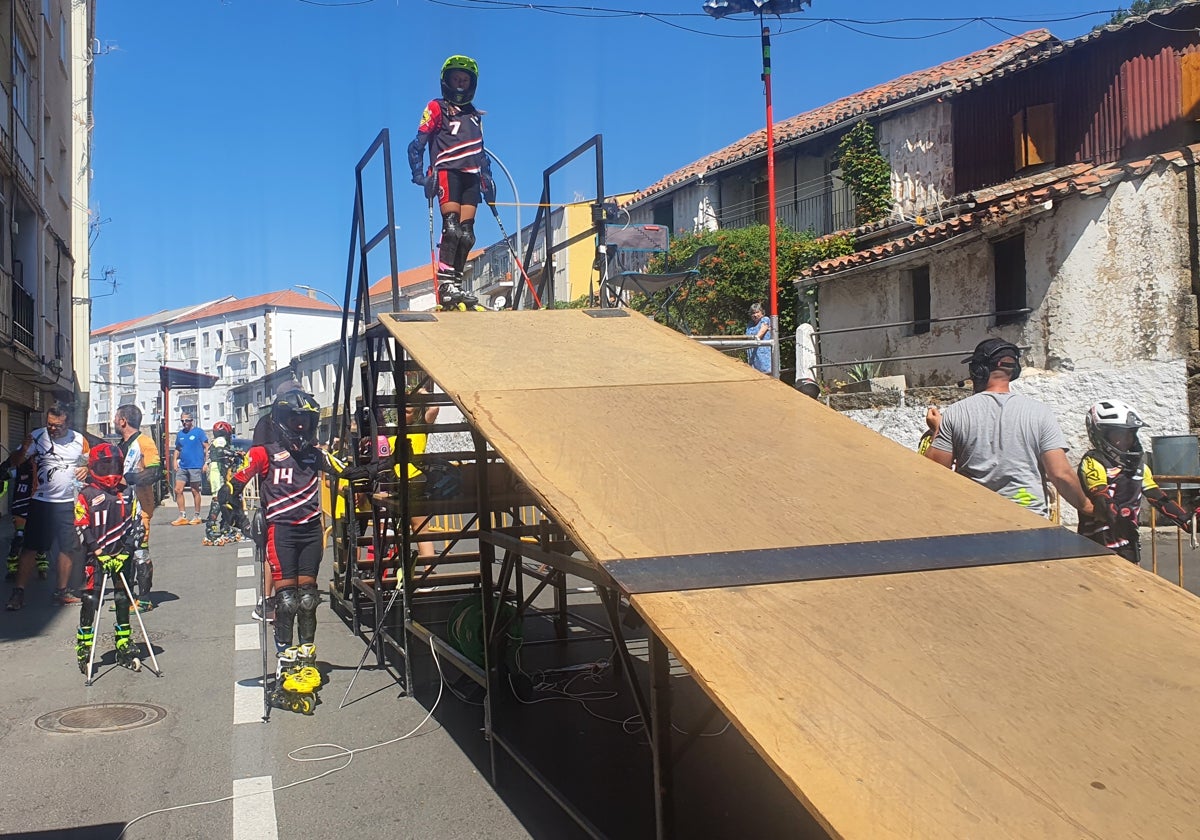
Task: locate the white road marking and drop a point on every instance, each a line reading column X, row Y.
column 254, row 809
column 245, row 598
column 245, row 571
column 247, row 701
column 246, row 551
column 247, row 636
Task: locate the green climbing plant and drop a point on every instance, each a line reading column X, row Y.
column 866, row 172
column 1140, row 7
column 738, row 274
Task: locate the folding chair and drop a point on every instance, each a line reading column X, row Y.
column 674, row 280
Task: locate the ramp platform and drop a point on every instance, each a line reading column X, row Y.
column 914, row 656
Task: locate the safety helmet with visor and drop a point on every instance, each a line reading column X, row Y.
column 459, row 94
column 295, row 414
column 1112, row 427
column 106, row 465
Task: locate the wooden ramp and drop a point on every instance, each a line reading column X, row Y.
column 1056, row 697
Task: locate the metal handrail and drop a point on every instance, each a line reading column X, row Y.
column 904, row 358
column 1178, row 481
column 909, row 323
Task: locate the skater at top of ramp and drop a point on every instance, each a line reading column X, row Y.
column 459, row 173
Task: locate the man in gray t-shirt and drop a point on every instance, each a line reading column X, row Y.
column 1007, row 442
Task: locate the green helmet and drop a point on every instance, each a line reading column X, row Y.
column 460, row 96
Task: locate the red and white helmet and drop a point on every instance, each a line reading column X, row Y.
column 222, row 429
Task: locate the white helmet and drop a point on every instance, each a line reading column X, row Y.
column 1114, row 415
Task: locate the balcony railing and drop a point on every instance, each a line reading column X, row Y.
column 237, row 345
column 6, row 283
column 23, row 316
column 828, row 212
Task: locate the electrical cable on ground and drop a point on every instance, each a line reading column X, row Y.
column 295, row 755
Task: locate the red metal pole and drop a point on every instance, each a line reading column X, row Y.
column 774, row 261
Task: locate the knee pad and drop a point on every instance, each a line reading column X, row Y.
column 451, row 234
column 287, row 604
column 87, row 609
column 306, row 621
column 143, row 572
column 466, row 239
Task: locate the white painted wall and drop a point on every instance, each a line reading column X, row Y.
column 1107, row 280
column 918, row 145
column 297, row 332
column 1156, row 390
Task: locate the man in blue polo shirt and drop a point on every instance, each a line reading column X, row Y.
column 191, row 456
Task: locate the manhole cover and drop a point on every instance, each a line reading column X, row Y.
column 101, row 717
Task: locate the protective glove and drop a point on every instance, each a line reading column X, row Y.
column 225, row 496
column 356, row 474
column 111, row 564
column 487, row 189
column 431, row 186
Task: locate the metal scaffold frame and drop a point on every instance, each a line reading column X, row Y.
column 390, row 598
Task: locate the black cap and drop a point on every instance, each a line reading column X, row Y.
column 988, row 354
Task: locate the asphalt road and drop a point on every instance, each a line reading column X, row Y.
column 91, row 785
column 211, row 746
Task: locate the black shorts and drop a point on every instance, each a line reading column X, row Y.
column 295, row 550
column 50, row 525
column 458, row 186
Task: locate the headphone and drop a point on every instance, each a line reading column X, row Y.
column 987, row 356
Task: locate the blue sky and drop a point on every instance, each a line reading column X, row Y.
column 227, row 131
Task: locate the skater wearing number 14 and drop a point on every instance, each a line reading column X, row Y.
column 288, row 468
column 459, row 174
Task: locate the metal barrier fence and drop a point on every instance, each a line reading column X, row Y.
column 1180, row 483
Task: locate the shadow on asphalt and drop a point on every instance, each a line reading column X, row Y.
column 100, row 831
column 571, row 718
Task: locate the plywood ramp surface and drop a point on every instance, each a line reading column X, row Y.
column 1038, row 700
column 644, row 444
column 1041, row 700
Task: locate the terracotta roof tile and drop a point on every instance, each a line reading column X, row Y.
column 286, row 298
column 1002, row 203
column 412, row 276
column 949, row 77
column 117, row 327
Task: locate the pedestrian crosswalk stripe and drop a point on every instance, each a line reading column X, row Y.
column 247, row 636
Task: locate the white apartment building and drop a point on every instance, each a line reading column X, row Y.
column 235, row 340
column 45, row 132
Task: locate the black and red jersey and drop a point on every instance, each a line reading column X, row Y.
column 103, row 519
column 289, row 483
column 455, row 135
column 23, row 485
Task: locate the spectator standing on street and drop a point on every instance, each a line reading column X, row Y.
column 22, row 484
column 143, row 470
column 760, row 330
column 60, row 458
column 191, row 455
column 1005, row 441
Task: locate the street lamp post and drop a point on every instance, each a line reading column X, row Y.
column 315, row 290
column 719, row 9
